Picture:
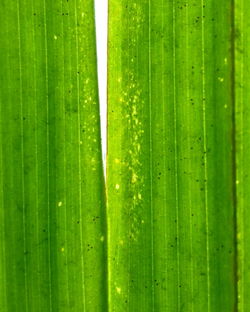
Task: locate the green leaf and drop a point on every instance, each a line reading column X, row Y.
column 52, row 254
column 171, row 195
column 242, row 118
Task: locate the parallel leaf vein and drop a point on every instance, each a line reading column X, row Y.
column 205, row 155
column 176, row 159
column 79, row 157
column 22, row 156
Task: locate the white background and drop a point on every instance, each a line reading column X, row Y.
column 101, row 18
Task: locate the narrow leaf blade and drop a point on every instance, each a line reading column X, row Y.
column 242, row 119
column 170, row 164
column 52, row 189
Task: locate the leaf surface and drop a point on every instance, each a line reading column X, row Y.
column 242, row 120
column 171, row 213
column 52, row 218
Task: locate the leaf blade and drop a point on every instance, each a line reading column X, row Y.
column 169, row 157
column 241, row 37
column 52, row 177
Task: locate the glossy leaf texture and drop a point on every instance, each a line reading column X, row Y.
column 52, row 200
column 242, row 120
column 170, row 177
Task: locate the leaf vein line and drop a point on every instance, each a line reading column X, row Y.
column 205, row 153
column 47, row 151
column 241, row 174
column 79, row 156
column 36, row 157
column 22, row 154
column 3, row 260
column 176, row 158
column 150, row 154
column 189, row 164
column 164, row 123
column 64, row 163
